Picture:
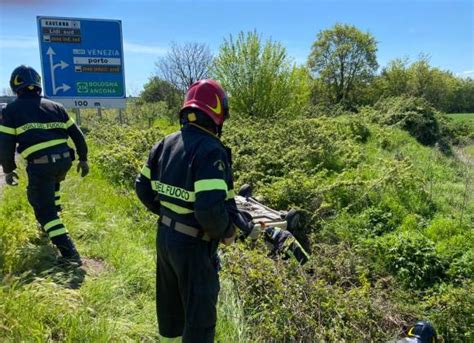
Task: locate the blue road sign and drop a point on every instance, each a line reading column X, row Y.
column 82, row 61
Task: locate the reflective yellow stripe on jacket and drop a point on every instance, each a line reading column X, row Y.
column 7, row 130
column 210, row 185
column 40, row 146
column 69, row 123
column 146, row 172
column 176, row 208
column 41, row 126
column 173, row 191
column 184, row 194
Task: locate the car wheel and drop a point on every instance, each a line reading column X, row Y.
column 293, row 219
column 245, row 191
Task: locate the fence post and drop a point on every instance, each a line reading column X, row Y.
column 120, row 115
column 78, row 116
column 99, row 112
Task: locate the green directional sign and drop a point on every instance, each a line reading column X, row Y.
column 99, row 88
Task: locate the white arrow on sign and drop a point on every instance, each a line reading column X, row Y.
column 53, row 66
column 64, row 88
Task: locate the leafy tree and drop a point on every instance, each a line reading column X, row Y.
column 185, row 64
column 442, row 89
column 462, row 98
column 430, row 83
column 157, row 89
column 259, row 76
column 345, row 59
column 395, row 78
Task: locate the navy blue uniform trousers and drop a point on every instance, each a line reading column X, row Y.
column 43, row 190
column 187, row 286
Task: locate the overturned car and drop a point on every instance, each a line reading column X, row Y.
column 255, row 219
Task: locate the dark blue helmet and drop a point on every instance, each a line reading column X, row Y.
column 423, row 331
column 25, row 77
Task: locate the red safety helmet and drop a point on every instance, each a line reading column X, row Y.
column 209, row 97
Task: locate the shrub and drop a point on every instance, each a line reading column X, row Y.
column 126, row 152
column 284, row 303
column 411, row 257
column 412, row 114
column 451, row 308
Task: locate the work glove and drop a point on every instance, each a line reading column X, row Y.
column 11, row 179
column 255, row 230
column 83, row 167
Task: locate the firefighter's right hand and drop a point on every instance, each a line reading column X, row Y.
column 11, row 179
column 255, row 230
column 83, row 167
column 231, row 239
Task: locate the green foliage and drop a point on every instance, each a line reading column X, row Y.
column 387, row 222
column 259, row 77
column 344, row 58
column 451, row 310
column 411, row 257
column 17, row 248
column 412, row 114
column 461, row 100
column 442, row 89
column 460, row 127
column 127, row 151
column 284, row 303
column 149, row 112
column 38, row 301
column 157, row 89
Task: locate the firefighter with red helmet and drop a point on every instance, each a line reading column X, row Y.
column 41, row 129
column 187, row 181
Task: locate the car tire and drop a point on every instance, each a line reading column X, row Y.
column 245, row 191
column 293, row 219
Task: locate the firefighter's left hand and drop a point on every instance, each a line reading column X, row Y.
column 11, row 179
column 83, row 167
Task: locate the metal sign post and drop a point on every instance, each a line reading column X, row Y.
column 78, row 116
column 82, row 61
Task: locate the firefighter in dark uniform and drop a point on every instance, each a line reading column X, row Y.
column 187, row 181
column 41, row 129
column 421, row 332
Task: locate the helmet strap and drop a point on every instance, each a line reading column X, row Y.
column 197, row 118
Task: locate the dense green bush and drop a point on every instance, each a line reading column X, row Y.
column 413, row 114
column 126, row 152
column 284, row 303
column 411, row 257
column 451, row 309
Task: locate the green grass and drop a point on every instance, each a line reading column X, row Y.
column 463, row 117
column 117, row 304
column 419, row 191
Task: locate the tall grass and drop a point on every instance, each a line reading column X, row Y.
column 116, row 298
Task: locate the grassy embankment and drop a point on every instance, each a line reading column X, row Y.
column 116, row 299
column 387, row 222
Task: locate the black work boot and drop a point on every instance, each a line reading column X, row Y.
column 67, row 249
